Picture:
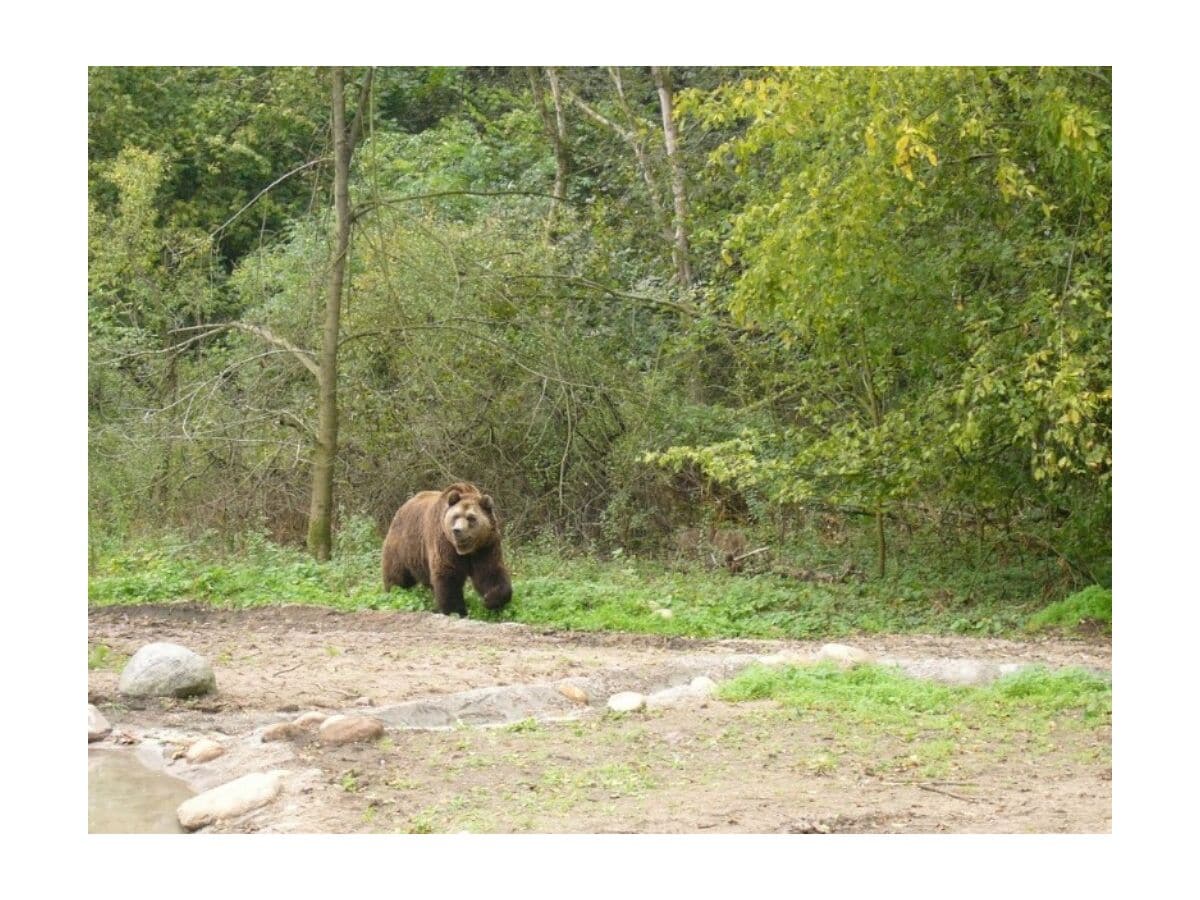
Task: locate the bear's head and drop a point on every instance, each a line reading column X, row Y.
column 469, row 521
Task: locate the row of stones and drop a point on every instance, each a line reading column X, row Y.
column 702, row 686
column 249, row 792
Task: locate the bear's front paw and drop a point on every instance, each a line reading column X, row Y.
column 498, row 598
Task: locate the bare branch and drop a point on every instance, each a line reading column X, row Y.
column 364, row 96
column 263, row 192
column 370, row 207
column 402, row 329
column 304, row 356
column 639, row 152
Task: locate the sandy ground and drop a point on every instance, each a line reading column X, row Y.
column 703, row 766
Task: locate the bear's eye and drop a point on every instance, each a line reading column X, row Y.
column 471, row 519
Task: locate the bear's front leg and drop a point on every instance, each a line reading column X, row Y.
column 493, row 586
column 448, row 592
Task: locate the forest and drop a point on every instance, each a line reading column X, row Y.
column 764, row 351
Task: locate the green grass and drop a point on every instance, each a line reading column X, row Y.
column 586, row 592
column 882, row 699
column 1090, row 608
column 101, row 656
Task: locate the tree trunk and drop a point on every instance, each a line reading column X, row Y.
column 880, row 542
column 320, row 535
column 657, row 207
column 662, row 80
column 556, row 130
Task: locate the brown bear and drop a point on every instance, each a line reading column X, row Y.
column 440, row 538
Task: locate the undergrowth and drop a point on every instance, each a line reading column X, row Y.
column 586, row 592
column 1090, row 608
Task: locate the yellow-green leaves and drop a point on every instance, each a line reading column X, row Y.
column 912, row 145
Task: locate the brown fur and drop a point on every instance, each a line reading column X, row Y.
column 422, row 546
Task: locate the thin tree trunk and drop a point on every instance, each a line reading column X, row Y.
column 643, row 163
column 556, row 130
column 880, row 542
column 662, row 80
column 874, row 407
column 161, row 486
column 320, row 535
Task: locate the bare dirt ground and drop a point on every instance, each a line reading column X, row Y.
column 700, row 767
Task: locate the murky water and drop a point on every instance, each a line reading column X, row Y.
column 127, row 797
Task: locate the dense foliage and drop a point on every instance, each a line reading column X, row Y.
column 897, row 313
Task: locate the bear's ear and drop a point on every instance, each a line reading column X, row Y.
column 486, row 502
column 453, row 497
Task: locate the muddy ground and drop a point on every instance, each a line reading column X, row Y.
column 699, row 767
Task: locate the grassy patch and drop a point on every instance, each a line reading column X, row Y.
column 876, row 698
column 101, row 656
column 584, row 593
column 1086, row 610
column 522, row 726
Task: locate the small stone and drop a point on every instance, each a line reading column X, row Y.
column 166, row 670
column 231, row 799
column 203, row 751
column 349, row 729
column 664, row 613
column 785, row 658
column 98, row 726
column 364, row 701
column 280, row 731
column 310, row 721
column 626, row 701
column 574, row 693
column 844, row 655
column 703, row 685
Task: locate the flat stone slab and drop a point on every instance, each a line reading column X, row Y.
column 482, row 706
column 955, row 671
column 698, row 688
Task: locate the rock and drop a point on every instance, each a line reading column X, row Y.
column 574, row 693
column 166, row 670
column 231, row 799
column 844, row 655
column 626, row 701
column 280, row 731
column 699, row 687
column 664, row 613
column 98, row 726
column 203, row 751
column 310, row 721
column 364, row 701
column 786, row 658
column 952, row 671
column 349, row 729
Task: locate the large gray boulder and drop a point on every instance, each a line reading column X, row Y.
column 166, row 670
